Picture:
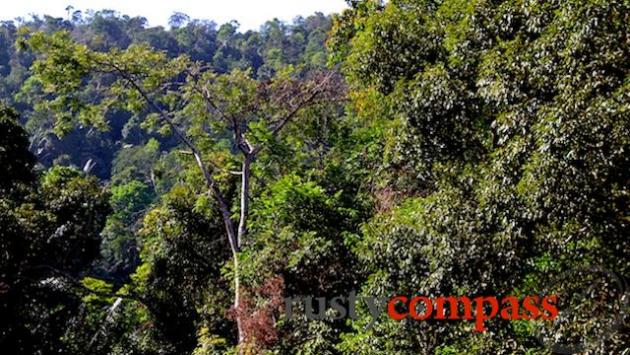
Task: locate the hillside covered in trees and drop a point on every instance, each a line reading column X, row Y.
column 165, row 191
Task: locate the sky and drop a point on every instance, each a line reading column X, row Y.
column 249, row 13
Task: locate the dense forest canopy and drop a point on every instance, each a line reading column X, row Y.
column 163, row 190
column 223, row 48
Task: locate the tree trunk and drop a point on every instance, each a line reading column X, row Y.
column 233, row 238
column 237, row 302
column 245, row 175
column 242, row 230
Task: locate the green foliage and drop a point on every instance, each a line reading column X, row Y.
column 299, row 42
column 119, row 248
column 16, row 160
column 130, row 200
column 302, row 232
column 511, row 132
column 49, row 236
column 302, row 226
column 184, row 250
column 99, row 286
column 80, row 112
column 483, row 151
column 79, row 207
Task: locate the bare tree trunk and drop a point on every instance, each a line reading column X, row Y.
column 245, row 175
column 242, row 230
column 237, row 301
column 235, row 234
column 233, row 238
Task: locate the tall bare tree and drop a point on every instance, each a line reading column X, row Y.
column 186, row 99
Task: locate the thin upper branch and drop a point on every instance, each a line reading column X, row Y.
column 326, row 87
